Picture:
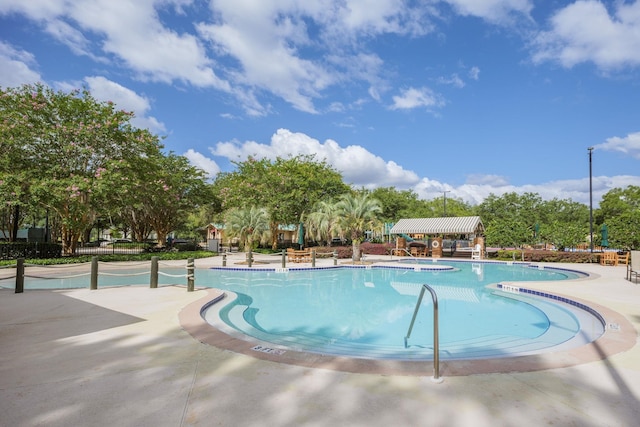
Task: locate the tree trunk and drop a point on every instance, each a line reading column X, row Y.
column 69, row 241
column 274, row 235
column 14, row 223
column 356, row 250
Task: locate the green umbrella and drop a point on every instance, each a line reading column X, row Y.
column 605, row 235
column 301, row 235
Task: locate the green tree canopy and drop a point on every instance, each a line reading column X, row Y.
column 620, row 210
column 286, row 188
column 514, row 220
column 55, row 146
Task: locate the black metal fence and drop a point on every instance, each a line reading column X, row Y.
column 112, row 248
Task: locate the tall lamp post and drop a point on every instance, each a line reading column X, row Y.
column 445, row 201
column 590, row 200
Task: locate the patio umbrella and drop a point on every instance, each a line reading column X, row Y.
column 605, row 235
column 301, row 235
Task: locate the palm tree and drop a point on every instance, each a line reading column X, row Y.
column 321, row 223
column 356, row 214
column 248, row 225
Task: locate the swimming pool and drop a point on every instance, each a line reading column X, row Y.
column 365, row 312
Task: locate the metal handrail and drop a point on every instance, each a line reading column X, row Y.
column 436, row 341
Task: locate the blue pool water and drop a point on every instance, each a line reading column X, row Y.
column 366, row 312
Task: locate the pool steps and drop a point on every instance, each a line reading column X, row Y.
column 240, row 316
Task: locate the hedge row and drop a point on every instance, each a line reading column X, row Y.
column 546, row 256
column 34, row 250
column 346, row 252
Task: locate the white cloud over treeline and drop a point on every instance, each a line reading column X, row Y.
column 361, row 168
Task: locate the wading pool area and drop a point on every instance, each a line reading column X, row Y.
column 366, row 312
column 491, row 316
column 146, row 356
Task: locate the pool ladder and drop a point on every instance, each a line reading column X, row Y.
column 436, row 344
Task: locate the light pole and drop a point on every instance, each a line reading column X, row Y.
column 445, row 201
column 590, row 200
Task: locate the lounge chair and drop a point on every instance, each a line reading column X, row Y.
column 633, row 268
column 624, row 258
column 609, row 258
column 476, row 252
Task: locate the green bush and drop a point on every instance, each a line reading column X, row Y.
column 186, row 247
column 163, row 256
column 35, row 250
column 545, row 256
column 367, row 248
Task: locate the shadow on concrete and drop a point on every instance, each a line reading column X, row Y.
column 65, row 362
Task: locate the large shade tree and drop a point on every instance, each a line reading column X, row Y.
column 397, row 204
column 286, row 188
column 156, row 193
column 513, row 220
column 510, row 219
column 55, row 147
column 620, row 210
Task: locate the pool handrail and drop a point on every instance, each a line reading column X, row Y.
column 436, row 341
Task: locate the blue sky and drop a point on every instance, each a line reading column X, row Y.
column 472, row 97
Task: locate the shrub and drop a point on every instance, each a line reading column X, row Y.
column 32, row 250
column 546, row 256
column 369, row 248
column 186, row 247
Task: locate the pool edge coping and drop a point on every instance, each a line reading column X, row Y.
column 610, row 343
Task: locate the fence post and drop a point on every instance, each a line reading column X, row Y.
column 19, row 275
column 94, row 273
column 249, row 258
column 313, row 257
column 224, row 259
column 190, row 275
column 153, row 279
column 284, row 258
column 335, row 257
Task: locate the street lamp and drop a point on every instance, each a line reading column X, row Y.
column 590, row 200
column 445, row 201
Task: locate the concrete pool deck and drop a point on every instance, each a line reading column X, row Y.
column 119, row 356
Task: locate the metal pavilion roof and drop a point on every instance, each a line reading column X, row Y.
column 448, row 225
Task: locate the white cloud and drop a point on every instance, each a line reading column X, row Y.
column 493, row 180
column 268, row 61
column 629, row 145
column 246, row 48
column 126, row 99
column 131, row 32
column 577, row 189
column 361, row 168
column 70, row 36
column 454, row 81
column 16, row 66
column 296, row 50
column 199, row 160
column 416, row 98
column 584, row 31
column 35, row 9
column 496, row 11
column 357, row 165
column 474, row 73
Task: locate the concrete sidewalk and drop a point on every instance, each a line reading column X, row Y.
column 118, row 356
